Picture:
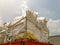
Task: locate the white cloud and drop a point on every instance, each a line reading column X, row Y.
column 54, row 27
column 10, row 9
column 1, row 22
column 24, row 7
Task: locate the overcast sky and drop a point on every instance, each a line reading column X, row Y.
column 50, row 9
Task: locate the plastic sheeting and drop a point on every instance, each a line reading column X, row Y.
column 25, row 42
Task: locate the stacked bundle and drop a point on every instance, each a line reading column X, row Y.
column 27, row 36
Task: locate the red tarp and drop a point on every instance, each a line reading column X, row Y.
column 26, row 42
